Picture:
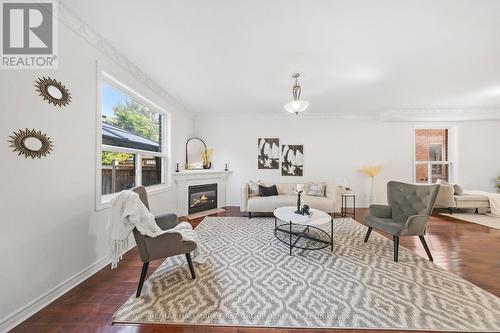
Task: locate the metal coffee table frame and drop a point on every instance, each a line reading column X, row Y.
column 287, row 229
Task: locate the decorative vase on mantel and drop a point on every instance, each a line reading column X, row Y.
column 206, row 155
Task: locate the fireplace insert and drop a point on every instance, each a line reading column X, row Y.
column 202, row 197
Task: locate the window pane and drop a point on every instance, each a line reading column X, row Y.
column 439, row 171
column 431, row 144
column 436, row 152
column 421, row 173
column 118, row 172
column 152, row 170
column 128, row 123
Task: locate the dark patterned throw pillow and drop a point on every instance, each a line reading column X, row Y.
column 265, row 191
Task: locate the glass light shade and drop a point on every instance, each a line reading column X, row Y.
column 296, row 106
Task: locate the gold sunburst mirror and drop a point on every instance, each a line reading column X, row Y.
column 53, row 91
column 31, row 143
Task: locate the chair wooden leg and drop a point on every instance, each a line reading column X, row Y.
column 424, row 243
column 396, row 248
column 190, row 263
column 368, row 234
column 142, row 278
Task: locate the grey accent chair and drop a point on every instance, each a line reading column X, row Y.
column 164, row 246
column 406, row 215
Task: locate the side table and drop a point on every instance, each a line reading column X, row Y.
column 343, row 206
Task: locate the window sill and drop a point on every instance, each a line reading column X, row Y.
column 151, row 190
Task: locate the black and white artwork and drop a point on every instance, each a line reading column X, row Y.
column 292, row 163
column 269, row 153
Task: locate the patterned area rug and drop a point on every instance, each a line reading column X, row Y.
column 250, row 279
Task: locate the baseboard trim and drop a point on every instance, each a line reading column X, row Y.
column 17, row 317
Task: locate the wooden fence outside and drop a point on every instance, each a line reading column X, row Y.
column 125, row 177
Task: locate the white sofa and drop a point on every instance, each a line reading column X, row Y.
column 287, row 197
column 447, row 199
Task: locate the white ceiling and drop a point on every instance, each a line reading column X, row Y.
column 355, row 56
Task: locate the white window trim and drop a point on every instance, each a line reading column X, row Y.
column 452, row 155
column 104, row 201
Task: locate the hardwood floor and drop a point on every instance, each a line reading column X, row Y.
column 466, row 249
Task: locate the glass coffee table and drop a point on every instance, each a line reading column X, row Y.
column 302, row 231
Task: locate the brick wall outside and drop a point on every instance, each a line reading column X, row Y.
column 424, row 138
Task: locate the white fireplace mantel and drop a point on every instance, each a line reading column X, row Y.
column 186, row 178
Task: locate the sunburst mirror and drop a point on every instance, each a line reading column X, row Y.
column 53, row 91
column 31, row 143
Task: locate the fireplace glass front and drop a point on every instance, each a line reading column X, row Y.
column 202, row 197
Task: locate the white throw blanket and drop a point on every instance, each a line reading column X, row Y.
column 494, row 199
column 128, row 212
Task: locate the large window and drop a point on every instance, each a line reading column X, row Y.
column 133, row 140
column 432, row 155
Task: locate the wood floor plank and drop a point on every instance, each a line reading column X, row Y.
column 469, row 250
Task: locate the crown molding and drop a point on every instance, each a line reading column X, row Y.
column 441, row 115
column 401, row 115
column 202, row 116
column 75, row 23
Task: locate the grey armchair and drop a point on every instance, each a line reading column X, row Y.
column 406, row 215
column 166, row 245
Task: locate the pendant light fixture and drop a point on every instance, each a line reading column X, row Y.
column 297, row 105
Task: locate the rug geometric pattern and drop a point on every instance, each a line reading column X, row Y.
column 249, row 278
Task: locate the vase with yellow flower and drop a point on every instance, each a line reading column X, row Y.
column 371, row 171
column 206, row 157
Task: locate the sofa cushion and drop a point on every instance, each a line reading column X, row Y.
column 471, row 201
column 445, row 197
column 469, row 197
column 322, row 203
column 286, row 188
column 269, row 204
column 458, row 189
column 388, row 225
column 253, row 188
column 265, row 191
column 317, row 190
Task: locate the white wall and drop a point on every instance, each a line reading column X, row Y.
column 479, row 155
column 50, row 229
column 335, row 149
